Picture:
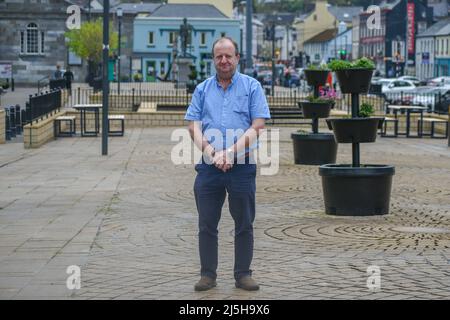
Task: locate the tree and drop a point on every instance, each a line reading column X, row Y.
column 87, row 43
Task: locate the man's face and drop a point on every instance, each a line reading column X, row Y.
column 225, row 59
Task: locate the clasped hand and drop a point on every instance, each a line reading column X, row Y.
column 222, row 161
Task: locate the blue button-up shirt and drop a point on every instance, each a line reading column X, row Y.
column 234, row 108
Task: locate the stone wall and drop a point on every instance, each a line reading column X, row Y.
column 51, row 20
column 40, row 132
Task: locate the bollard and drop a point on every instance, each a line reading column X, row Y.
column 19, row 129
column 12, row 122
column 7, row 130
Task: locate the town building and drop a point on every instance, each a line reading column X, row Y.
column 432, row 50
column 392, row 44
column 157, row 42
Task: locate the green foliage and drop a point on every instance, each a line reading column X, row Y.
column 336, row 65
column 366, row 110
column 363, row 63
column 87, row 42
column 193, row 75
column 137, row 77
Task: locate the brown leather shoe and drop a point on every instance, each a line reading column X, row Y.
column 247, row 283
column 205, row 283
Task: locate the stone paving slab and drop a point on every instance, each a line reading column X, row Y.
column 129, row 221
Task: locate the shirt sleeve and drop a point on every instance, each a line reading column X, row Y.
column 258, row 103
column 194, row 111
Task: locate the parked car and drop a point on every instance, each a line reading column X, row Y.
column 439, row 81
column 429, row 96
column 414, row 80
column 394, row 92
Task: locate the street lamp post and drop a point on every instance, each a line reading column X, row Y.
column 105, row 94
column 119, row 16
column 273, row 56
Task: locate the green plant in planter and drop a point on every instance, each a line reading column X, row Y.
column 313, row 99
column 193, row 75
column 336, row 65
column 366, row 110
column 137, row 77
column 363, row 63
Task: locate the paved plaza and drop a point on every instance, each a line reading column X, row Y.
column 129, row 221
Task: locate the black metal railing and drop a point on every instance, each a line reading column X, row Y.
column 42, row 104
column 179, row 99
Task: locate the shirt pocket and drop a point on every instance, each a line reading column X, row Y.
column 241, row 104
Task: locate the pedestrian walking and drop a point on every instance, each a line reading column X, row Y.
column 68, row 76
column 229, row 100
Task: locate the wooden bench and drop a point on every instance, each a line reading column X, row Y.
column 433, row 122
column 121, row 119
column 70, row 120
column 383, row 130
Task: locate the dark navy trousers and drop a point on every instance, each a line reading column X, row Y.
column 210, row 188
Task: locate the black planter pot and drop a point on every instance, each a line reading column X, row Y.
column 360, row 191
column 316, row 77
column 314, row 149
column 354, row 80
column 313, row 110
column 355, row 130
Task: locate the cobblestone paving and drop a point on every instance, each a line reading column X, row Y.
column 142, row 241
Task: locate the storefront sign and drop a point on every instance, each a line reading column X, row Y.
column 410, row 14
column 5, row 70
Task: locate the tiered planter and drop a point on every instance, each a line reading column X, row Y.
column 314, row 148
column 356, row 190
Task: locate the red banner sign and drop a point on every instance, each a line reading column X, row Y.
column 410, row 14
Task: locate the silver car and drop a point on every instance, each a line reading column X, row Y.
column 397, row 91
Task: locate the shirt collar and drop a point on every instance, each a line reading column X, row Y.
column 234, row 78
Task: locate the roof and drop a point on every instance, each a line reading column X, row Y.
column 134, row 8
column 188, row 11
column 438, row 29
column 324, row 36
column 345, row 14
column 281, row 18
column 389, row 4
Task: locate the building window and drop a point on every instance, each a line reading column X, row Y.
column 150, row 38
column 203, row 38
column 171, row 37
column 32, row 40
column 223, row 34
column 162, row 67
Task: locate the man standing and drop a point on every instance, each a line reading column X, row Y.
column 68, row 76
column 58, row 73
column 236, row 102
